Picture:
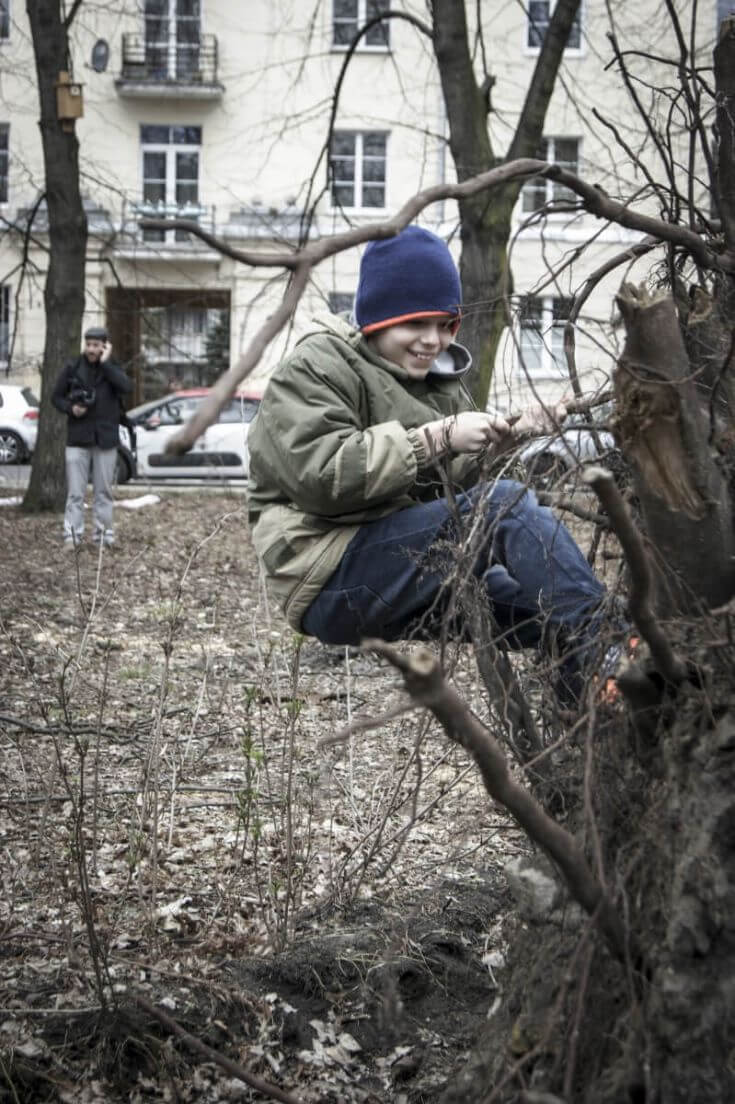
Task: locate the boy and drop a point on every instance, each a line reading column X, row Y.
column 346, row 501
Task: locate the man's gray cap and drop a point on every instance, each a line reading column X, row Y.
column 95, row 333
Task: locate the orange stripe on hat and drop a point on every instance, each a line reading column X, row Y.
column 396, row 321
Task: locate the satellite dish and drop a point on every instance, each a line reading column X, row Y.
column 100, row 55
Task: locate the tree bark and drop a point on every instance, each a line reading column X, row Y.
column 67, row 228
column 664, row 432
column 485, row 221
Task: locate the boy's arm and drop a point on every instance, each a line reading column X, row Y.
column 309, row 438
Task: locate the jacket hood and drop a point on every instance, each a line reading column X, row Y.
column 453, row 363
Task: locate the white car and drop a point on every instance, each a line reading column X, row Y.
column 220, row 452
column 18, row 423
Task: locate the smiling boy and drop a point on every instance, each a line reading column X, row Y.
column 346, row 501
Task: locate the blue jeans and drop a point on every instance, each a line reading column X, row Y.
column 391, row 582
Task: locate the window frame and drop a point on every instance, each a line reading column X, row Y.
column 171, row 178
column 340, row 302
column 169, row 46
column 552, row 365
column 358, row 182
column 569, row 51
column 551, row 186
column 360, row 20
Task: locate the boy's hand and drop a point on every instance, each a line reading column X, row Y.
column 539, row 420
column 471, row 431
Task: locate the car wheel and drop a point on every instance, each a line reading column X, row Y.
column 11, row 447
column 123, row 471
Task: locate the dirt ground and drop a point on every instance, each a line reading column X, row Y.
column 175, row 831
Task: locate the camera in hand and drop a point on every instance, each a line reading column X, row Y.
column 82, row 396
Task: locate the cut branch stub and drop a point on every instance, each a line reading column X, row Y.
column 664, row 432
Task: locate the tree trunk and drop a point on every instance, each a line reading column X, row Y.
column 486, row 220
column 665, row 432
column 64, row 290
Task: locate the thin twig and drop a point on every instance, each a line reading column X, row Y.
column 668, row 664
column 365, row 724
column 233, row 1068
column 428, row 687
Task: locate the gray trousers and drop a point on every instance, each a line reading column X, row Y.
column 78, row 463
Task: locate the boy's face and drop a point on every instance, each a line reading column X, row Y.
column 414, row 345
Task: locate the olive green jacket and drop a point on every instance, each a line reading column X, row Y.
column 335, row 444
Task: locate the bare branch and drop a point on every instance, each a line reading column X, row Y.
column 725, row 85
column 225, row 386
column 669, row 665
column 72, row 12
column 233, row 1068
column 590, row 284
column 301, row 261
column 427, row 686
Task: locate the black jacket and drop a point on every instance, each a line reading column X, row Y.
column 99, row 426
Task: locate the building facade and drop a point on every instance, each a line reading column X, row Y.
column 220, row 113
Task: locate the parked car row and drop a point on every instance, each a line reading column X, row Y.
column 221, row 451
column 18, row 423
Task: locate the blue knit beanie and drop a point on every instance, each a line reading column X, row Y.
column 409, row 276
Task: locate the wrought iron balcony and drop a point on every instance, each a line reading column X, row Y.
column 139, row 241
column 171, row 69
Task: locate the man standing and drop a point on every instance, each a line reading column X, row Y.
column 88, row 390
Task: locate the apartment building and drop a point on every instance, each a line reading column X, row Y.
column 219, row 112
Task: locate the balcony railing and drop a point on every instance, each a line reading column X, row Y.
column 162, row 241
column 173, row 68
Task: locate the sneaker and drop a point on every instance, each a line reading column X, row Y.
column 105, row 537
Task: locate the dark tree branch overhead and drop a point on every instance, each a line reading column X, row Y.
column 312, row 254
column 69, row 19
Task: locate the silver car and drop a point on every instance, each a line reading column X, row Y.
column 549, row 461
column 18, row 423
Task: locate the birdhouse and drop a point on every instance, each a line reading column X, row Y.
column 69, row 103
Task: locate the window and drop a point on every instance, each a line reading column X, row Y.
column 542, row 323
column 539, row 191
column 172, row 38
column 349, row 15
column 4, row 135
column 4, row 19
column 171, row 173
column 340, row 302
column 175, row 335
column 357, row 169
column 4, row 323
column 539, row 16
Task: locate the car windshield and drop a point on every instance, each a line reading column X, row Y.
column 29, row 397
column 239, row 410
